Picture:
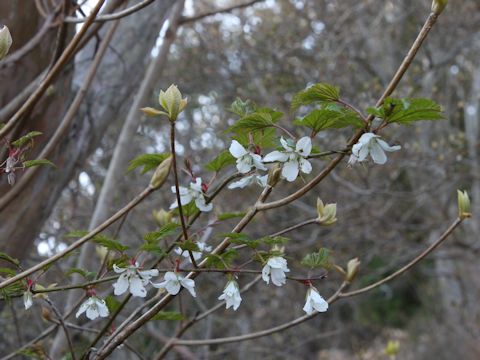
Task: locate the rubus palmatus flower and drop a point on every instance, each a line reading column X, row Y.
column 174, row 281
column 133, row 279
column 93, row 308
column 294, row 157
column 231, row 295
column 275, row 268
column 373, row 145
column 314, row 302
column 249, row 180
column 194, row 192
column 197, row 255
column 246, row 160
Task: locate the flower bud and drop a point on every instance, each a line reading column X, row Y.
column 352, row 269
column 274, row 175
column 438, row 6
column 162, row 217
column 464, row 209
column 326, row 213
column 150, row 111
column 161, row 173
column 172, row 102
column 5, row 41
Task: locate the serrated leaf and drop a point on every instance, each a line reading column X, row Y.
column 319, row 259
column 189, row 209
column 264, row 138
column 153, row 248
column 406, row 111
column 222, row 160
column 241, row 239
column 254, row 122
column 168, row 316
column 76, row 233
column 26, row 138
column 221, row 261
column 274, row 240
column 37, row 162
column 322, row 119
column 188, row 245
column 228, row 216
column 86, row 274
column 109, row 243
column 321, row 92
column 164, row 231
column 148, row 161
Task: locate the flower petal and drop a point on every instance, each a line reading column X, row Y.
column 237, row 149
column 121, row 285
column 266, row 274
column 189, row 284
column 285, row 144
column 243, row 166
column 305, row 166
column 257, row 162
column 304, row 146
column 241, row 183
column 377, row 154
column 136, row 287
column 202, row 205
column 290, row 170
column 276, row 156
column 387, row 147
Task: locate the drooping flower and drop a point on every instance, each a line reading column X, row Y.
column 173, row 281
column 314, row 302
column 93, row 307
column 202, row 246
column 246, row 160
column 231, row 295
column 276, row 267
column 248, row 180
column 27, row 299
column 372, row 144
column 294, row 159
column 134, row 279
column 193, row 193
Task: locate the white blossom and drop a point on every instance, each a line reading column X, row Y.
column 27, row 299
column 93, row 307
column 134, row 279
column 231, row 295
column 197, row 255
column 276, row 267
column 193, row 193
column 294, row 159
column 246, row 160
column 372, row 144
column 173, row 281
column 314, row 302
column 249, row 180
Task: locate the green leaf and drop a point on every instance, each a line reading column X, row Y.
column 168, row 316
column 37, row 162
column 264, row 138
column 319, row 259
column 164, row 231
column 321, row 92
column 228, row 216
column 153, row 248
column 148, row 161
column 112, row 303
column 9, row 259
column 241, row 239
column 86, row 274
column 219, row 261
column 274, row 240
column 222, row 160
column 26, row 138
column 406, row 111
column 256, row 121
column 109, row 243
column 322, row 119
column 7, row 271
column 242, row 108
column 189, row 209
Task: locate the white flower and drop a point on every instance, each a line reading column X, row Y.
column 193, row 192
column 94, row 307
column 372, row 144
column 276, row 267
column 173, row 281
column 245, row 159
column 202, row 246
column 295, row 160
column 314, row 302
column 134, row 279
column 27, row 299
column 231, row 295
column 248, row 180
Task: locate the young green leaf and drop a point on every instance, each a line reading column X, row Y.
column 148, row 161
column 109, row 243
column 37, row 162
column 9, row 259
column 26, row 138
column 406, row 111
column 254, row 122
column 222, row 160
column 319, row 259
column 164, row 231
column 321, row 92
column 242, row 108
column 228, row 216
column 322, row 119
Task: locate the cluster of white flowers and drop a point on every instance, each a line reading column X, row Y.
column 373, row 145
column 197, row 255
column 194, row 192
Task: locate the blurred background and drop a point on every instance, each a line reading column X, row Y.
column 266, row 52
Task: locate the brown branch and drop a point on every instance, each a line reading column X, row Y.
column 109, row 17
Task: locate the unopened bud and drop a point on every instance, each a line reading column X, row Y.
column 274, row 175
column 5, row 41
column 161, row 173
column 172, row 102
column 464, row 209
column 101, row 252
column 352, row 269
column 438, row 6
column 326, row 213
column 150, row 111
column 162, row 217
